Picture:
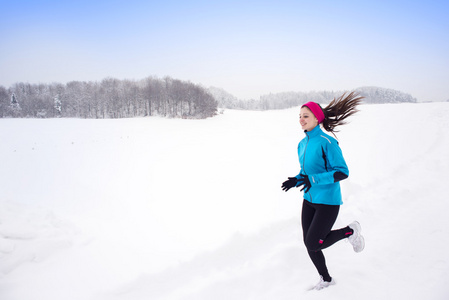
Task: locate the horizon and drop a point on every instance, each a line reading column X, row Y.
column 219, row 88
column 248, row 49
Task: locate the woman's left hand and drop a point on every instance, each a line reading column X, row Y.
column 304, row 180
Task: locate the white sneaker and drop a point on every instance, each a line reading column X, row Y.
column 323, row 284
column 356, row 239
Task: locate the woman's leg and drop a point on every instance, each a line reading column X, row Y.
column 317, row 221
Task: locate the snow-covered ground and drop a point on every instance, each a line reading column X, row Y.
column 153, row 208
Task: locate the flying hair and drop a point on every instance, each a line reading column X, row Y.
column 339, row 109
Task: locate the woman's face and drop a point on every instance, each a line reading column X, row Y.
column 307, row 119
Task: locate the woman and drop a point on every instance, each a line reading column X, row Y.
column 322, row 168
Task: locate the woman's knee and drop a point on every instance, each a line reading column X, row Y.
column 313, row 244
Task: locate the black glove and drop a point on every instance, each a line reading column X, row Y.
column 304, row 180
column 288, row 184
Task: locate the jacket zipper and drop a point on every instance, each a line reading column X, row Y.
column 304, row 165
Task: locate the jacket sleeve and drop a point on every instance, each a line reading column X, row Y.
column 337, row 168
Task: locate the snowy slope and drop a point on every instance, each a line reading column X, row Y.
column 154, row 208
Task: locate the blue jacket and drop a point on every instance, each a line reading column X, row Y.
column 321, row 159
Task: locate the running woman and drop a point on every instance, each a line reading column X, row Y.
column 322, row 169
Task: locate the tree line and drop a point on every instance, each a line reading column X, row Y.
column 292, row 99
column 109, row 98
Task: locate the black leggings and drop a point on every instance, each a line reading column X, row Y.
column 317, row 221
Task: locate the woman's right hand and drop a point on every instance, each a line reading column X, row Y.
column 288, row 184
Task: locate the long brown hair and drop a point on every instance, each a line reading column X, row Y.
column 339, row 109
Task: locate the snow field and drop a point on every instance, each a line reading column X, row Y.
column 153, row 208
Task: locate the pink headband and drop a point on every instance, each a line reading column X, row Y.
column 316, row 110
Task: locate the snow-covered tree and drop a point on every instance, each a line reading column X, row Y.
column 58, row 105
column 14, row 106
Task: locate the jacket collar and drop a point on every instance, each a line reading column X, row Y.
column 315, row 132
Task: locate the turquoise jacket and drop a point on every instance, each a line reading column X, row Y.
column 321, row 159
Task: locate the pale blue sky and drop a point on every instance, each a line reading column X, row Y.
column 248, row 48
